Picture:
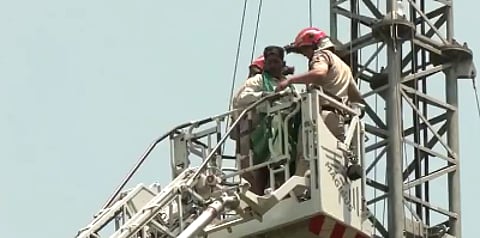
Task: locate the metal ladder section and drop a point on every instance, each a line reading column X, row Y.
column 201, row 195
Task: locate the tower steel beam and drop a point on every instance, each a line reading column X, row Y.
column 394, row 116
column 411, row 113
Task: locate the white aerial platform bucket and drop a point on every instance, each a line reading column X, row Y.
column 336, row 207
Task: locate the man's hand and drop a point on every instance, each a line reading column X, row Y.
column 290, row 48
column 282, row 85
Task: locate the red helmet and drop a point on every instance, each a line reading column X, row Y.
column 309, row 36
column 258, row 62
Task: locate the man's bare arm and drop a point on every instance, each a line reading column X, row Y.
column 315, row 75
column 319, row 66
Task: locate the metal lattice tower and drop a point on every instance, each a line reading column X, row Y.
column 413, row 139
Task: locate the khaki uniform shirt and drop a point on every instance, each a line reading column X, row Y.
column 339, row 80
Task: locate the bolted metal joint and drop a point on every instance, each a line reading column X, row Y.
column 231, row 201
column 462, row 58
column 389, row 29
column 456, row 52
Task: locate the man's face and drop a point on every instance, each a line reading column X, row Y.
column 306, row 51
column 274, row 65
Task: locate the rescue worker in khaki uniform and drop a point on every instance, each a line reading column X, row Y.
column 330, row 72
column 260, row 84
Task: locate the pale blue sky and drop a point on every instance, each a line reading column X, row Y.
column 86, row 85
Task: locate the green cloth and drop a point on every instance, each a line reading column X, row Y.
column 271, row 127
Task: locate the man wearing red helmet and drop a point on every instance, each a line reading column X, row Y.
column 327, row 70
column 330, row 72
column 256, row 67
column 258, row 85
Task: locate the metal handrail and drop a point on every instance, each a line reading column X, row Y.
column 205, row 162
column 152, row 146
column 230, row 129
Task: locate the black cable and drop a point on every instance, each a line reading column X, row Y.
column 476, row 96
column 260, row 3
column 238, row 53
column 235, row 69
column 310, row 13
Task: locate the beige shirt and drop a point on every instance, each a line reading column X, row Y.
column 339, row 80
column 249, row 93
column 252, row 90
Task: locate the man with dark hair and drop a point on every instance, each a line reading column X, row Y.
column 263, row 82
column 254, row 88
column 256, row 67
